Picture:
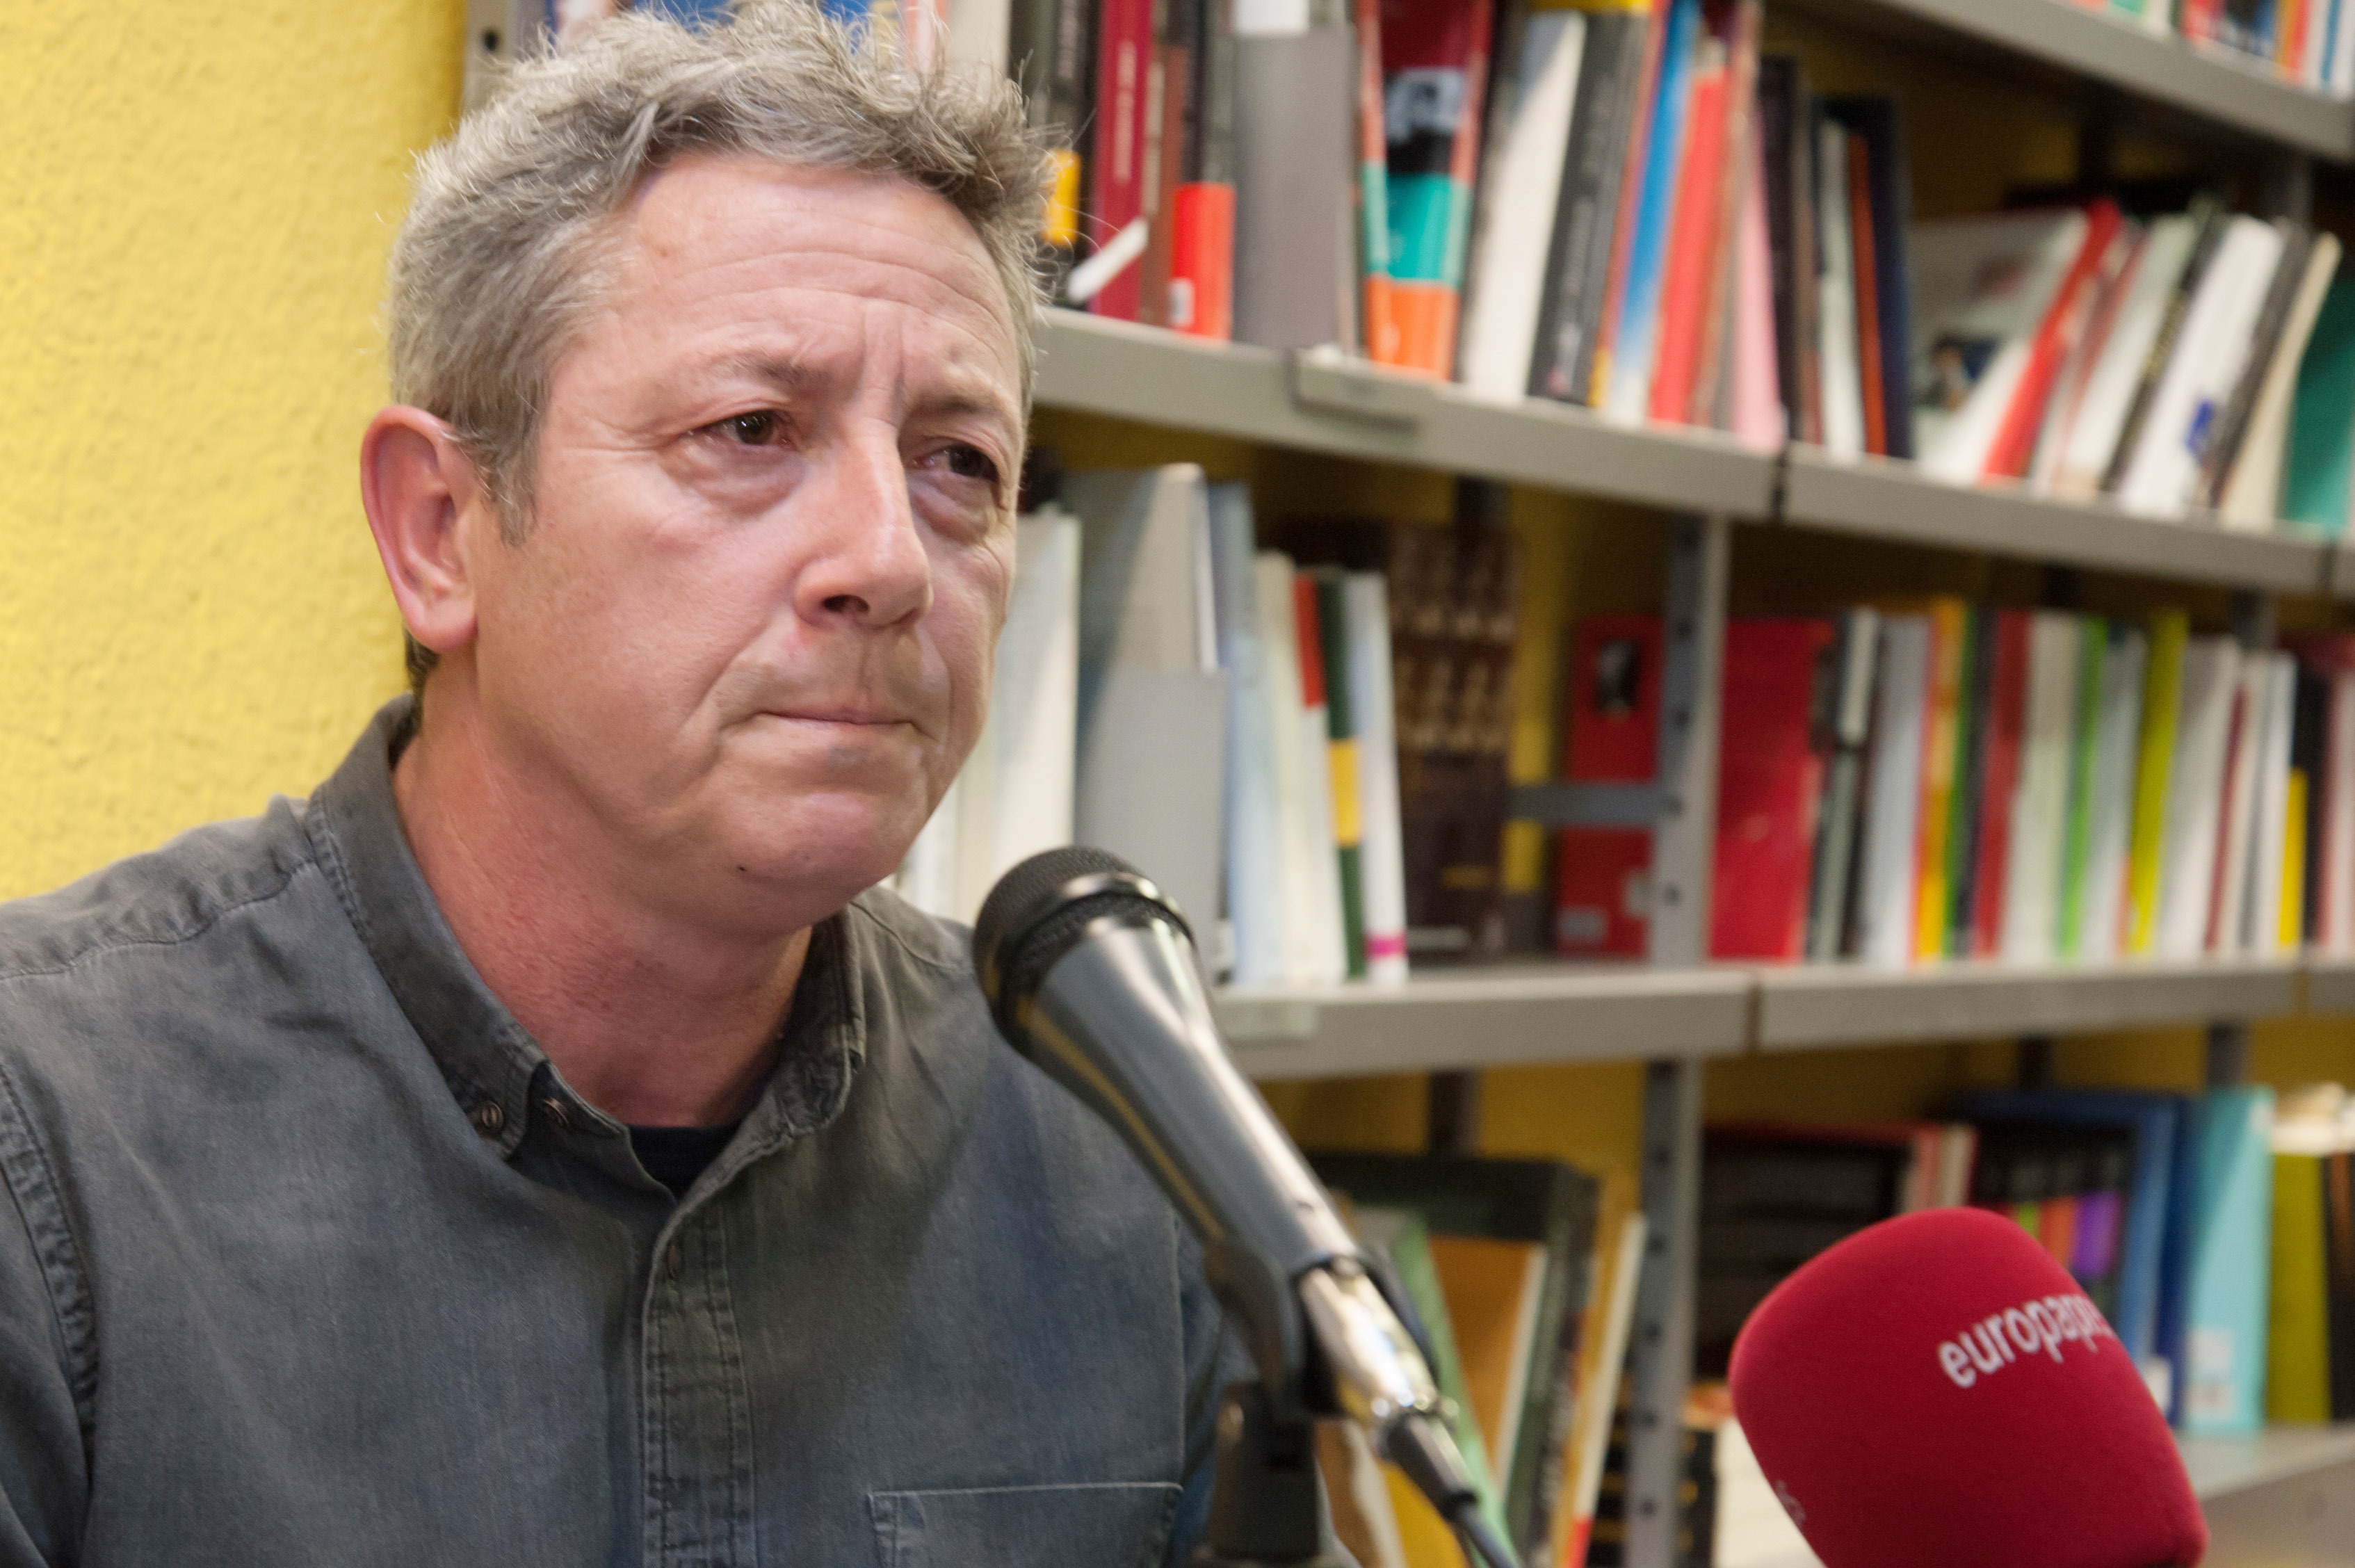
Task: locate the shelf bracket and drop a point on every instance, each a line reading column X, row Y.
column 1660, row 1349
column 1327, row 381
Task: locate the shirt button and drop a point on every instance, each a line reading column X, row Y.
column 673, row 1259
column 557, row 1112
column 489, row 1117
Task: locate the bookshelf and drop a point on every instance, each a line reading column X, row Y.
column 2226, row 1466
column 2101, row 47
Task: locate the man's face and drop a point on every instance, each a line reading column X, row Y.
column 751, row 625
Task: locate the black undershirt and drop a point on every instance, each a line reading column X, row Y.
column 676, row 1156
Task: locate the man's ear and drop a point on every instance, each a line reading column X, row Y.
column 417, row 481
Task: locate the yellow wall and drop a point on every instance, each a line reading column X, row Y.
column 197, row 207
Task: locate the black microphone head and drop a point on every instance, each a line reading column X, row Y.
column 1041, row 908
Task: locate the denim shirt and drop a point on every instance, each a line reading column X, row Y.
column 311, row 1257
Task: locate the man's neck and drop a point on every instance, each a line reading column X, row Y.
column 652, row 1024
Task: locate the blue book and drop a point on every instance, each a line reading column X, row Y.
column 2228, row 1283
column 1629, row 394
column 2156, row 1121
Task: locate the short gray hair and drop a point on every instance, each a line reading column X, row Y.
column 506, row 248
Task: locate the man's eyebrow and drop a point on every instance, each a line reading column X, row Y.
column 786, row 375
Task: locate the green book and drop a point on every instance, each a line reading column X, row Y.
column 2162, row 700
column 2093, row 644
column 2317, row 468
column 1975, row 709
column 1341, row 728
column 1402, row 1237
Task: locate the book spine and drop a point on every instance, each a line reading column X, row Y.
column 1202, row 240
column 1691, row 248
column 2094, row 643
column 1378, row 331
column 2230, row 429
column 1123, row 87
column 1366, row 627
column 1623, row 387
column 1343, row 761
column 1865, row 266
column 2213, row 222
column 2161, row 704
column 1597, row 355
column 1610, row 76
column 1709, row 402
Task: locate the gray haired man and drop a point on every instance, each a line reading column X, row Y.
column 540, row 1147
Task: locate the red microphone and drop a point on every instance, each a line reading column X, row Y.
column 1935, row 1392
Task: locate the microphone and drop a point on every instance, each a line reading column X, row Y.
column 1091, row 974
column 1936, row 1391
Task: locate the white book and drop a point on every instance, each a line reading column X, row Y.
column 1314, row 950
column 1015, row 795
column 2315, row 58
column 2236, row 832
column 2261, row 925
column 2109, row 395
column 1981, row 289
column 1152, row 711
column 2187, row 876
column 2108, row 289
column 2338, row 70
column 1519, row 189
column 1254, row 811
column 2201, row 372
column 1381, row 847
column 2110, row 795
column 2040, row 812
column 2337, row 783
column 2253, row 494
column 1841, row 387
column 978, row 34
column 1885, row 901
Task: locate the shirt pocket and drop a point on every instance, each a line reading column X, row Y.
column 1111, row 1525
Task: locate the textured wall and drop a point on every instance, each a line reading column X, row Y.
column 192, row 233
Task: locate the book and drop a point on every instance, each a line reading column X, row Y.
column 1522, row 183
column 1831, row 893
column 1964, row 819
column 2155, row 760
column 1864, row 267
column 2220, row 445
column 1613, row 62
column 1711, row 399
column 1770, row 785
column 1151, row 730
column 2321, row 445
column 2237, row 820
column 2253, row 494
column 2297, row 1307
column 2210, row 679
column 2092, row 649
column 1200, row 299
column 1887, row 896
column 1638, row 147
column 1295, row 246
column 1322, row 588
column 2213, row 223
column 1255, row 861
column 2260, row 926
column 1367, row 632
column 1880, row 187
column 1314, row 951
column 1049, row 48
column 1840, row 392
column 1611, row 1313
column 1982, row 288
column 2209, row 349
column 1634, row 341
column 2224, row 1335
column 1942, row 750
column 2028, row 926
column 2013, row 449
column 2115, row 797
column 1611, row 701
column 1788, row 163
column 1434, row 63
column 1117, row 223
column 1544, row 1205
column 2144, row 289
column 1377, row 338
column 2001, row 783
column 1691, row 243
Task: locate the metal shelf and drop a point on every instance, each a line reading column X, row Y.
column 1495, row 1017
column 2212, row 84
column 1840, row 1004
column 2220, row 1467
column 1322, row 401
column 2331, row 983
column 1894, row 500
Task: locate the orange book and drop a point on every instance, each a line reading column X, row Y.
column 1492, row 1288
column 1866, row 266
column 1693, row 248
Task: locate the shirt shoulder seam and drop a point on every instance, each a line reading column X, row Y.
column 122, row 944
column 902, row 943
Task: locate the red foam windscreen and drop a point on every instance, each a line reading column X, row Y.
column 1937, row 1392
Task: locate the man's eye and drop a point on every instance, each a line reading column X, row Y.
column 970, row 463
column 757, row 428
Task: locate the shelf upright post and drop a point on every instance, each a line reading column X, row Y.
column 1700, row 564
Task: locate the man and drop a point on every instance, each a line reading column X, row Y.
column 539, row 1148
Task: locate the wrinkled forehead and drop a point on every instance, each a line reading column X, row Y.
column 710, row 247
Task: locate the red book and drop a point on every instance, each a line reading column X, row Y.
column 1693, row 242
column 1125, row 55
column 2198, row 20
column 1613, row 715
column 1769, row 787
column 2000, row 778
column 2064, row 319
column 1202, row 260
column 1866, row 266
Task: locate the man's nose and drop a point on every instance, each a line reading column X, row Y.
column 869, row 564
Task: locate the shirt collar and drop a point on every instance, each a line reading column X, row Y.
column 489, row 1059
